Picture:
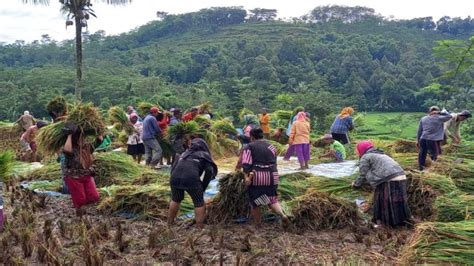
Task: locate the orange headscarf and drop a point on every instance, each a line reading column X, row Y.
column 347, row 111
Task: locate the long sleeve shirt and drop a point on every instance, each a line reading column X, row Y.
column 300, row 133
column 342, row 125
column 431, row 127
column 452, row 127
column 150, row 128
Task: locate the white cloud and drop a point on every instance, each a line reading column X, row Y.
column 26, row 22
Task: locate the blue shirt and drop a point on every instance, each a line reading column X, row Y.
column 342, row 126
column 150, row 128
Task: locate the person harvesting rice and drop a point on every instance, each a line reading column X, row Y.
column 431, row 134
column 342, row 125
column 78, row 169
column 389, row 181
column 192, row 173
column 336, row 149
column 452, row 128
column 259, row 162
column 135, row 146
column 299, row 139
column 27, row 140
column 26, row 121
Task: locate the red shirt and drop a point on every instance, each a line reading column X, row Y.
column 163, row 124
column 189, row 116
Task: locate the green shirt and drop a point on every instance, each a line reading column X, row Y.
column 336, row 145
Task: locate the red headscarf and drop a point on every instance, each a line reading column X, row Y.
column 363, row 147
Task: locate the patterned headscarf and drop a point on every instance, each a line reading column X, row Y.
column 301, row 116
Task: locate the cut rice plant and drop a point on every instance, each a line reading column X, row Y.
column 6, row 164
column 205, row 107
column 144, row 108
column 244, row 112
column 290, row 189
column 46, row 185
column 203, row 121
column 340, row 187
column 183, row 129
column 118, row 117
column 282, row 115
column 298, row 176
column 404, row 146
column 58, row 105
column 87, row 118
column 440, row 243
column 231, row 202
column 49, row 171
column 50, row 139
column 115, row 168
column 230, row 146
column 454, row 207
column 223, row 127
column 280, row 148
column 316, row 210
column 145, row 202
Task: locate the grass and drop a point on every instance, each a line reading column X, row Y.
column 389, row 126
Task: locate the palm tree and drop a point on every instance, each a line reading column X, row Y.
column 78, row 13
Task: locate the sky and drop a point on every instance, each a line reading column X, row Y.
column 20, row 21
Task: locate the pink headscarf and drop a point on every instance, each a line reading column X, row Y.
column 363, row 147
column 301, row 116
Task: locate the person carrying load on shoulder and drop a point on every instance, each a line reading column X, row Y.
column 389, row 181
column 431, row 134
column 192, row 173
column 452, row 128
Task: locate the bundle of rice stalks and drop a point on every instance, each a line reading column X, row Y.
column 465, row 150
column 316, row 210
column 6, row 164
column 319, row 143
column 58, row 105
column 49, row 171
column 404, row 146
column 205, row 107
column 118, row 117
column 212, row 141
column 87, row 118
column 231, row 202
column 290, row 189
column 203, row 121
column 244, row 112
column 46, row 185
column 115, row 168
column 421, row 198
column 144, row 108
column 223, row 126
column 280, row 148
column 340, row 187
column 454, row 207
column 230, row 146
column 166, row 148
column 298, row 176
column 150, row 201
column 183, row 129
column 282, row 115
column 440, row 243
column 50, row 139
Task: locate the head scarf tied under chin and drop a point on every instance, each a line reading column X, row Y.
column 301, row 116
column 347, row 111
column 363, row 147
column 199, row 150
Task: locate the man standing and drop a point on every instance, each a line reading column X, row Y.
column 26, row 121
column 265, row 123
column 452, row 128
column 153, row 151
column 431, row 134
column 176, row 118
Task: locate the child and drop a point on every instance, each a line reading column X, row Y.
column 337, row 150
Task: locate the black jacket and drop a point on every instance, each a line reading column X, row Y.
column 192, row 164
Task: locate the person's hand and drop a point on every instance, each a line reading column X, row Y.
column 353, row 184
column 417, row 145
column 69, row 129
column 248, row 179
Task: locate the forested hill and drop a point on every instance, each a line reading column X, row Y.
column 234, row 59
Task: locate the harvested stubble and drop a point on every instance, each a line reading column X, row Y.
column 454, row 207
column 6, row 164
column 404, row 146
column 150, row 201
column 441, row 243
column 10, row 138
column 316, row 210
column 231, row 202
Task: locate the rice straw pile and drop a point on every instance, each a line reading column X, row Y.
column 6, row 164
column 404, row 146
column 119, row 118
column 115, row 168
column 231, row 202
column 454, row 207
column 441, row 243
column 339, row 186
column 57, row 105
column 316, row 210
column 49, row 171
